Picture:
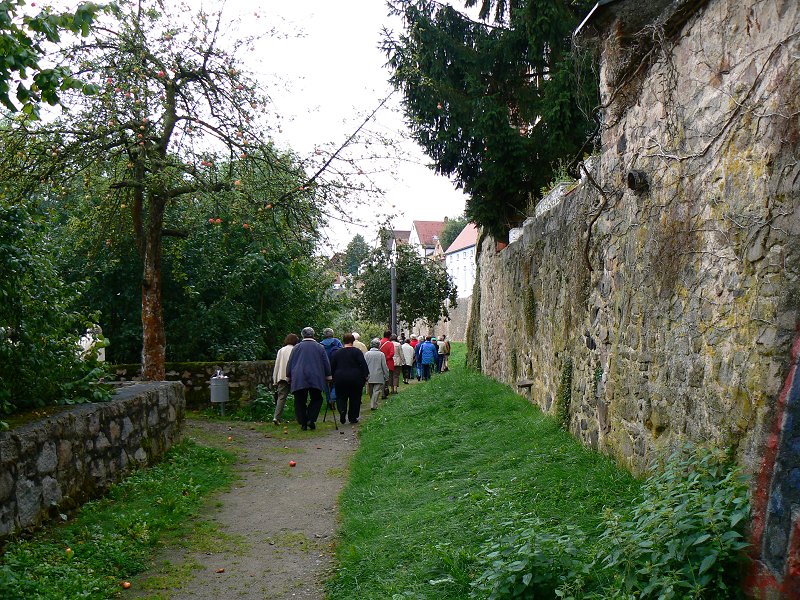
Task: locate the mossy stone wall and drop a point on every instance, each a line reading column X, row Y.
column 244, row 377
column 677, row 303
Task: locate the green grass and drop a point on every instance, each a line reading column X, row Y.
column 440, row 466
column 113, row 538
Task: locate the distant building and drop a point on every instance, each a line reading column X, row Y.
column 424, row 237
column 335, row 266
column 460, row 260
column 394, row 238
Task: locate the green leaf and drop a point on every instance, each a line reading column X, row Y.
column 707, row 563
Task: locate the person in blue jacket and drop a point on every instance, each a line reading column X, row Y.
column 331, row 345
column 308, row 373
column 428, row 353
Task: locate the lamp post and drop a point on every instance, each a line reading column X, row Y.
column 393, row 278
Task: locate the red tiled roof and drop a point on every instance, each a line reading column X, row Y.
column 467, row 238
column 427, row 230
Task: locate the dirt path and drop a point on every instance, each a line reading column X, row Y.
column 273, row 531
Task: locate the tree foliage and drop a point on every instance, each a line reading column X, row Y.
column 39, row 329
column 236, row 280
column 22, row 39
column 355, row 254
column 450, row 231
column 423, row 287
column 494, row 102
column 175, row 118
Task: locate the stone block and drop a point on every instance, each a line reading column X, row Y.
column 93, row 423
column 51, row 492
column 140, row 456
column 127, row 428
column 98, row 470
column 27, row 444
column 48, row 459
column 113, row 432
column 8, row 449
column 29, row 502
column 64, row 453
column 6, row 485
column 101, row 443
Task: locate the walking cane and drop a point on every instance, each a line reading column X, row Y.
column 325, row 416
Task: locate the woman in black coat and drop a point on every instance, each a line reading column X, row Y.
column 350, row 372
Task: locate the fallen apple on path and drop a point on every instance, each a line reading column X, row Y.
column 292, row 463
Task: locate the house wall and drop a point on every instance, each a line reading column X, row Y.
column 460, row 266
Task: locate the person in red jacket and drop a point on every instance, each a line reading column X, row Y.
column 387, row 347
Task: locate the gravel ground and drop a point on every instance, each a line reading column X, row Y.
column 272, row 534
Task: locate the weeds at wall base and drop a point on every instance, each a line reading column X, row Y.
column 113, row 538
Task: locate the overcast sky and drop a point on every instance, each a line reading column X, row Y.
column 325, row 82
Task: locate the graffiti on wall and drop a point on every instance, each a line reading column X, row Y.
column 776, row 501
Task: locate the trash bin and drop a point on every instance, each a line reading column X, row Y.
column 219, row 389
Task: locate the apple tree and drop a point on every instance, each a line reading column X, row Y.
column 175, row 117
column 23, row 36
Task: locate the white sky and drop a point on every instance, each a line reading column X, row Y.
column 325, row 82
column 324, row 76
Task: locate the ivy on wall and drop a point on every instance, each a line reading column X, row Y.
column 564, row 395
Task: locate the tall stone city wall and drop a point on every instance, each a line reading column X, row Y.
column 55, row 464
column 679, row 318
column 657, row 300
column 455, row 327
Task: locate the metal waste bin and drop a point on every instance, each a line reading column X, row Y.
column 219, row 389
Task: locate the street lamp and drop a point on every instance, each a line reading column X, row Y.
column 393, row 279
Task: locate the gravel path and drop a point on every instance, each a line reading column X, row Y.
column 273, row 531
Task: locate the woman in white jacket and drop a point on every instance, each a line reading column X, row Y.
column 279, row 375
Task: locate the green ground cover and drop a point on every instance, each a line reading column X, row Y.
column 440, row 467
column 462, row 489
column 113, row 538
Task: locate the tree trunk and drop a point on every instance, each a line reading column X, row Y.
column 154, row 339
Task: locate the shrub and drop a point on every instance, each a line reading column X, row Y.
column 528, row 562
column 260, row 409
column 39, row 332
column 684, row 539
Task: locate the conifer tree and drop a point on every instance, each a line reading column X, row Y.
column 495, row 102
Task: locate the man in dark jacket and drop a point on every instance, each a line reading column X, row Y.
column 308, row 373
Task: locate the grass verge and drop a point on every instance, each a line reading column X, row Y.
column 441, row 467
column 113, row 538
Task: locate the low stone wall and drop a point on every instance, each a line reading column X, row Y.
column 53, row 465
column 243, row 377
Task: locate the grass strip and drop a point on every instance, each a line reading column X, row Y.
column 440, row 467
column 113, row 538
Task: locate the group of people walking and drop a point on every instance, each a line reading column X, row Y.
column 339, row 370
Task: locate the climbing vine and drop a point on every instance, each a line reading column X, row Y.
column 564, row 395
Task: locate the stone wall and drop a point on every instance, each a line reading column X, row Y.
column 50, row 466
column 673, row 316
column 455, row 327
column 243, row 378
column 656, row 300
